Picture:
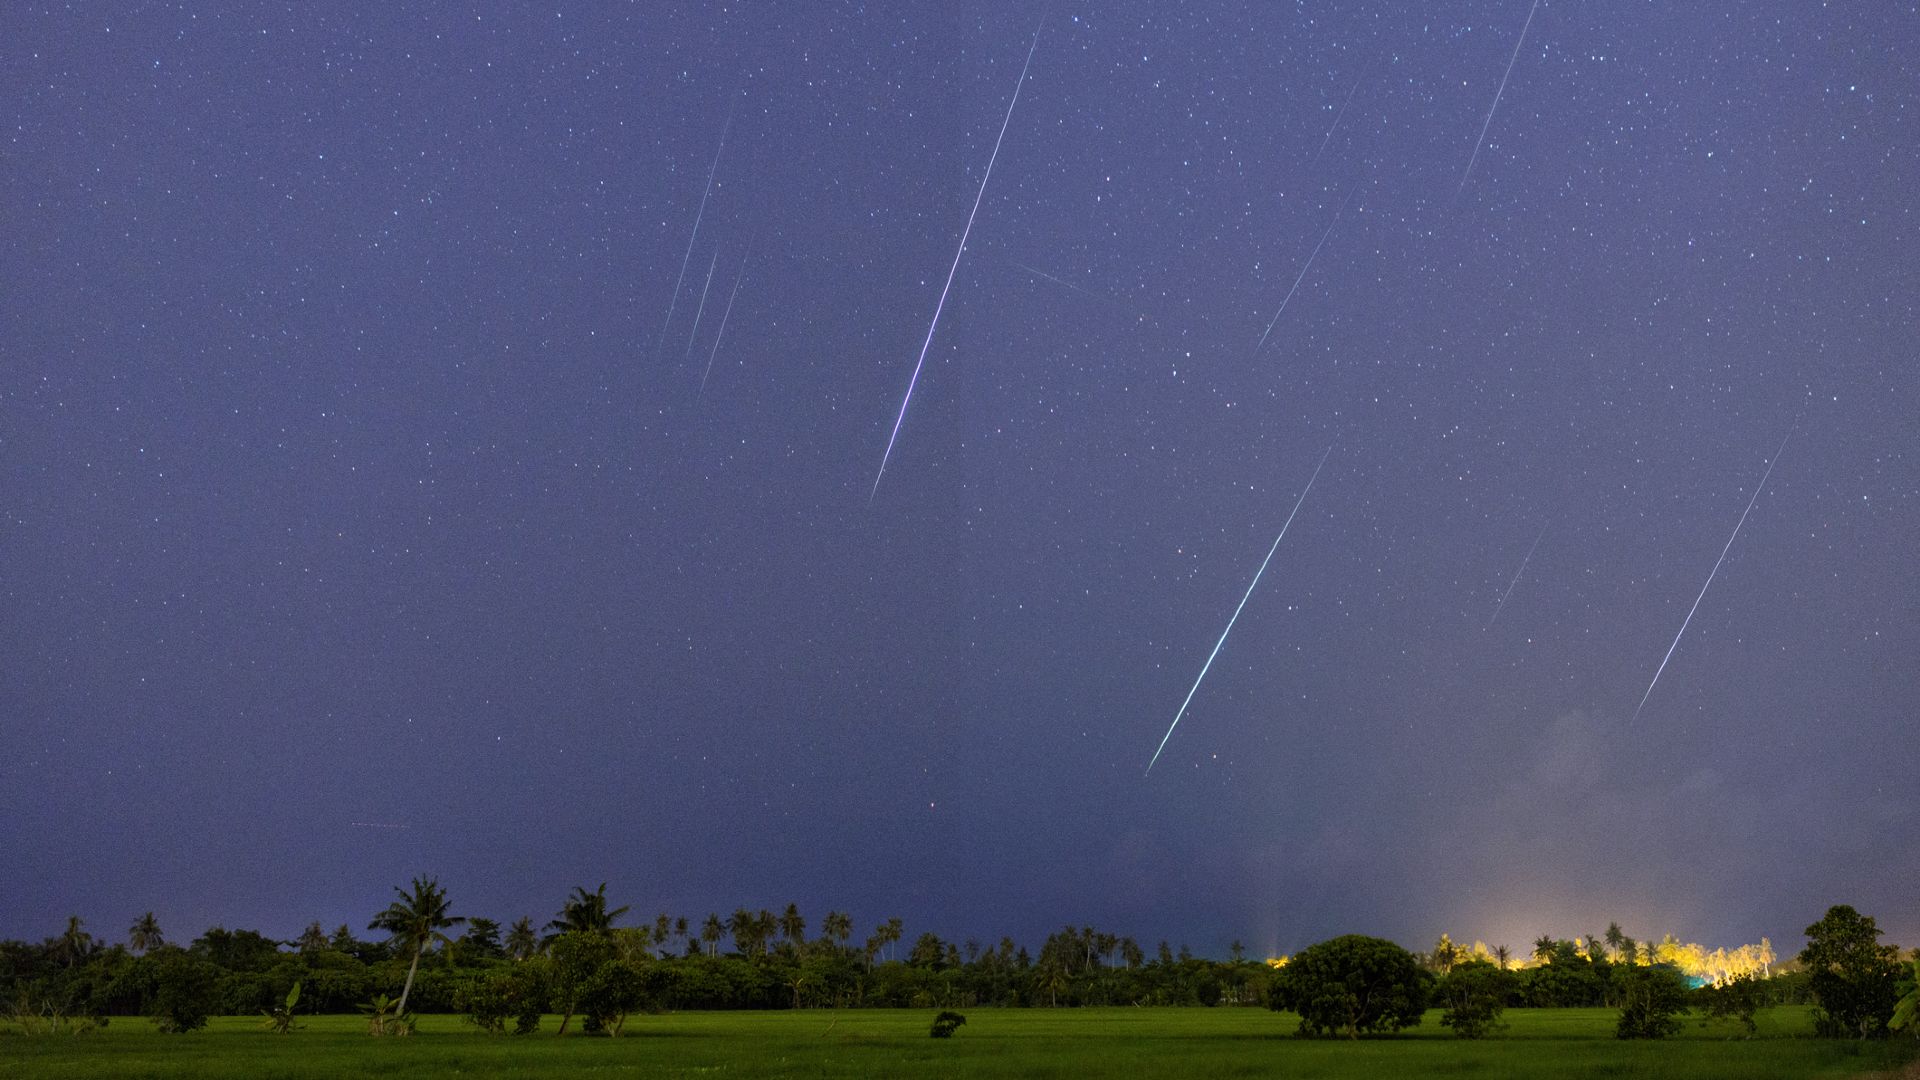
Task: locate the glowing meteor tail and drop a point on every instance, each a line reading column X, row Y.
column 1710, row 574
column 1236, row 611
column 955, row 268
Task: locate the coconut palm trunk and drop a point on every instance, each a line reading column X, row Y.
column 401, row 1009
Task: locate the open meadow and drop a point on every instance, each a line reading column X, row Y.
column 994, row 1043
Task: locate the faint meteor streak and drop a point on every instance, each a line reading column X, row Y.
column 702, row 309
column 1062, row 281
column 1303, row 273
column 955, row 268
column 1336, row 123
column 1484, row 124
column 1236, row 611
column 724, row 315
column 1516, row 575
column 698, row 214
column 1716, row 569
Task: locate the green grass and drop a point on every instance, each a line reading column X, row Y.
column 1213, row 1043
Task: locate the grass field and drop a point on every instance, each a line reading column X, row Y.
column 1076, row 1043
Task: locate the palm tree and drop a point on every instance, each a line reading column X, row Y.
column 890, row 933
column 521, row 942
column 792, row 927
column 837, row 927
column 144, row 935
column 416, row 921
column 1502, row 954
column 74, row 943
column 312, row 939
column 585, row 912
column 742, row 925
column 711, row 931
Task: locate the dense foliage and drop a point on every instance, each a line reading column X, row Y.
column 1651, row 1001
column 1854, row 978
column 1353, row 985
column 595, row 974
column 1473, row 995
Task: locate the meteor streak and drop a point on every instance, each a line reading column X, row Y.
column 715, row 351
column 681, row 280
column 955, row 268
column 1484, row 124
column 1303, row 272
column 1237, row 610
column 1516, row 575
column 702, row 309
column 1336, row 124
column 1062, row 281
column 1716, row 569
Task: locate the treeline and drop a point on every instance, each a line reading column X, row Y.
column 1355, row 985
column 583, row 963
column 440, row 963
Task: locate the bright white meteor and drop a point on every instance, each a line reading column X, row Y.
column 1236, row 611
column 955, row 268
column 1303, row 272
column 1716, row 569
column 1484, row 124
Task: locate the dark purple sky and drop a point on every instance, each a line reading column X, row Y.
column 365, row 516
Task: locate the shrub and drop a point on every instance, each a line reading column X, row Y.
column 945, row 1023
column 1474, row 994
column 184, row 992
column 1737, row 999
column 612, row 992
column 1353, row 985
column 1651, row 1001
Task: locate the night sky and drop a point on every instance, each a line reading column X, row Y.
column 365, row 513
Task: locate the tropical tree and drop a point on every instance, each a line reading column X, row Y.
column 837, row 927
column 585, row 912
column 144, row 935
column 1851, row 974
column 416, row 921
column 711, row 931
column 793, row 928
column 1905, row 1009
column 1352, row 985
column 74, row 943
column 312, row 939
column 522, row 943
column 745, row 930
